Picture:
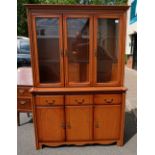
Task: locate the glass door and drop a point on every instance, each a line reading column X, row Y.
column 78, row 47
column 49, row 49
column 106, row 53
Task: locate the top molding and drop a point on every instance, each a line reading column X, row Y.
column 77, row 7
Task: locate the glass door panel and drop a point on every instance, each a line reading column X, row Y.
column 78, row 50
column 49, row 49
column 107, row 50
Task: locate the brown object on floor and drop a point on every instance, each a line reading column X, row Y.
column 24, row 97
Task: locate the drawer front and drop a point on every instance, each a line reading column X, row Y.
column 23, row 91
column 79, row 99
column 50, row 100
column 107, row 99
column 24, row 104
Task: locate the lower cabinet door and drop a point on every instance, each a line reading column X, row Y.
column 79, row 123
column 50, row 123
column 106, row 122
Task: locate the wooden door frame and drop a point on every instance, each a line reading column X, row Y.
column 35, row 51
column 119, row 80
column 90, row 17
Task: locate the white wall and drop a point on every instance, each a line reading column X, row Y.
column 131, row 28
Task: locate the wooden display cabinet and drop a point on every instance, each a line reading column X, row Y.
column 78, row 70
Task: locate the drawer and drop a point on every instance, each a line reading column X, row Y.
column 24, row 104
column 23, row 91
column 107, row 99
column 79, row 99
column 49, row 100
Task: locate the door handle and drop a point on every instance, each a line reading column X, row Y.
column 80, row 102
column 66, row 53
column 68, row 126
column 108, row 101
column 63, row 125
column 50, row 103
column 96, row 125
column 22, row 102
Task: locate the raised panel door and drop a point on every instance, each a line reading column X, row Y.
column 107, row 122
column 79, row 123
column 50, row 124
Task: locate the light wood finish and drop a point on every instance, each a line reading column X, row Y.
column 50, row 124
column 120, row 142
column 81, row 89
column 78, row 143
column 36, row 76
column 80, row 109
column 107, row 99
column 24, row 97
column 79, row 123
column 67, row 73
column 118, row 12
column 106, row 122
column 78, row 99
column 48, row 100
column 116, row 71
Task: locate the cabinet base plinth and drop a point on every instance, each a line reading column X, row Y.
column 120, row 143
column 80, row 143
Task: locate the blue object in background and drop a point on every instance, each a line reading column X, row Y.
column 133, row 12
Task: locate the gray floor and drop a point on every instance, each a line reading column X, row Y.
column 131, row 84
column 26, row 141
